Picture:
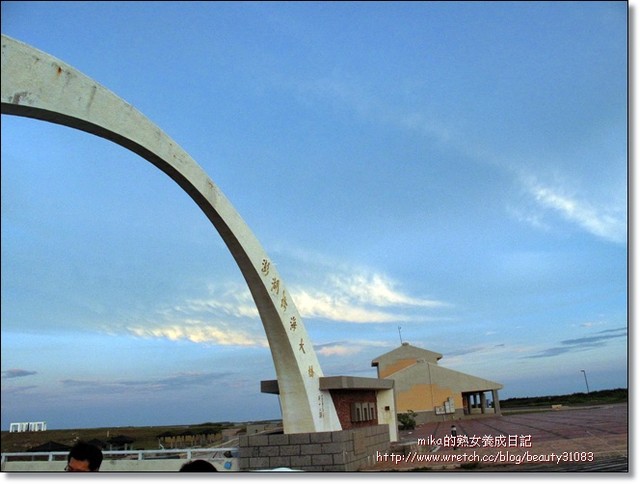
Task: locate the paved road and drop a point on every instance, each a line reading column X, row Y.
column 588, row 439
column 603, row 464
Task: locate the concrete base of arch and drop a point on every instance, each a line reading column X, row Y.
column 342, row 450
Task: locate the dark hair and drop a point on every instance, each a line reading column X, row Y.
column 198, row 465
column 86, row 451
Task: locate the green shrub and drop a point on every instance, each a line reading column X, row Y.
column 407, row 421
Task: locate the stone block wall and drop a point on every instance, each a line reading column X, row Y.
column 343, row 450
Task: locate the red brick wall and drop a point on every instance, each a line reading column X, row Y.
column 342, row 400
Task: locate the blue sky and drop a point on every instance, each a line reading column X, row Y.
column 451, row 173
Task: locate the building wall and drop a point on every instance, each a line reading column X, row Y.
column 424, row 387
column 387, row 413
column 424, row 397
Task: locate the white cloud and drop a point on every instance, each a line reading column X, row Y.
column 596, row 218
column 348, row 348
column 597, row 221
column 318, row 304
column 360, row 298
column 377, row 290
column 591, row 324
column 201, row 333
column 348, row 298
column 230, row 300
column 338, row 350
column 214, row 319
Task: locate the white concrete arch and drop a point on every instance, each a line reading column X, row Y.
column 37, row 85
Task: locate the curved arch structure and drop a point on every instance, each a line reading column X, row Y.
column 37, row 85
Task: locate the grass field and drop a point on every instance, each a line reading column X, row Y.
column 146, row 438
column 600, row 397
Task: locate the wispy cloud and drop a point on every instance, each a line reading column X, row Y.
column 580, row 344
column 591, row 324
column 17, row 373
column 369, row 104
column 555, row 351
column 228, row 315
column 337, row 307
column 230, row 300
column 608, row 223
column 175, row 382
column 377, row 290
column 201, row 332
column 360, row 298
column 19, row 390
column 347, row 348
column 603, row 222
column 336, row 349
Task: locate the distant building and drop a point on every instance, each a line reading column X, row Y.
column 120, row 442
column 28, row 427
column 50, row 446
column 435, row 393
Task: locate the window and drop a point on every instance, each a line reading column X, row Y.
column 363, row 411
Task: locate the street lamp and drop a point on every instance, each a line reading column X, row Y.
column 585, row 379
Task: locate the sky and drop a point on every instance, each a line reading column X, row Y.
column 449, row 174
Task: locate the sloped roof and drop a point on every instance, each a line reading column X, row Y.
column 462, row 382
column 50, row 446
column 405, row 352
column 121, row 439
column 98, row 443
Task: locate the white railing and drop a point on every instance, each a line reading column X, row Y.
column 223, row 458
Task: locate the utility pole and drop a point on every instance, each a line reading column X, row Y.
column 400, row 333
column 585, row 380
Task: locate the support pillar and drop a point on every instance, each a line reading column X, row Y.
column 496, row 402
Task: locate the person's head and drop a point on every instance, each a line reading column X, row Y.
column 198, row 465
column 84, row 457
